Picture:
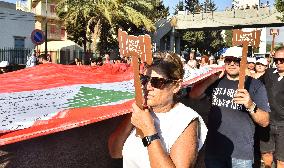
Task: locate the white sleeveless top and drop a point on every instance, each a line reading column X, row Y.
column 170, row 126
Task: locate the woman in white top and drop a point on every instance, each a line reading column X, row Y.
column 172, row 132
column 192, row 63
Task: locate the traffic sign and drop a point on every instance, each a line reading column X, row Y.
column 37, row 37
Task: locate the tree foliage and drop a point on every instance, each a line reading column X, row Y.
column 204, row 41
column 209, row 5
column 192, row 6
column 136, row 17
column 228, row 38
column 161, row 11
column 179, row 7
column 279, row 4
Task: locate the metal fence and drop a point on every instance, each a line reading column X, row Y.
column 14, row 55
column 18, row 56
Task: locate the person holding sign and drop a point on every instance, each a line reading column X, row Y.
column 232, row 115
column 172, row 132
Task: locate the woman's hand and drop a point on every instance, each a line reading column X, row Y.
column 143, row 120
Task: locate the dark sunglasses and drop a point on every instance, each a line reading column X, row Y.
column 156, row 82
column 258, row 63
column 228, row 60
column 277, row 60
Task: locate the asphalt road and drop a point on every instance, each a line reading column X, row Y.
column 76, row 148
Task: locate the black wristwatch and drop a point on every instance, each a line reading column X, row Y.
column 148, row 139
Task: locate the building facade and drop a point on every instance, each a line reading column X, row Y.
column 16, row 27
column 45, row 10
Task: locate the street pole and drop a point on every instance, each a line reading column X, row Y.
column 45, row 52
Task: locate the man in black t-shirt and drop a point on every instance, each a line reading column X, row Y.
column 232, row 115
column 272, row 137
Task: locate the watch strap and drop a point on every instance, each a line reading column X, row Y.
column 252, row 110
column 148, row 139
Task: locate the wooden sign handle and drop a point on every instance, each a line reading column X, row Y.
column 136, row 47
column 243, row 66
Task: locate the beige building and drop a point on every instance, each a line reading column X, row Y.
column 55, row 27
column 60, row 49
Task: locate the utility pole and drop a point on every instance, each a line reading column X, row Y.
column 45, row 51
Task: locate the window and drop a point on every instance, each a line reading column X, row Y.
column 62, row 32
column 52, row 8
column 19, row 42
column 52, row 29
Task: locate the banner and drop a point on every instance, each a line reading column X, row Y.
column 49, row 98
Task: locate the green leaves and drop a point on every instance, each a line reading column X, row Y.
column 133, row 16
column 279, row 4
column 203, row 40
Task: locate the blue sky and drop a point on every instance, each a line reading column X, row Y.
column 221, row 4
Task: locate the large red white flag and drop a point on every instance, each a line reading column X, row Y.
column 51, row 97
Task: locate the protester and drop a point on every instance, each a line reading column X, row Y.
column 192, row 63
column 204, row 60
column 99, row 61
column 107, row 59
column 272, row 137
column 3, row 67
column 212, row 60
column 251, row 64
column 43, row 59
column 232, row 115
column 269, row 60
column 93, row 62
column 170, row 128
column 32, row 60
column 260, row 67
column 220, row 61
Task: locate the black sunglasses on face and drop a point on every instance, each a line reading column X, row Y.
column 258, row 63
column 156, row 82
column 228, row 60
column 277, row 60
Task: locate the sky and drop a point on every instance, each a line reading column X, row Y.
column 221, row 4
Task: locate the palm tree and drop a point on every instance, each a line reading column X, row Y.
column 113, row 14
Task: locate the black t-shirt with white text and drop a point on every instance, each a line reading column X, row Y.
column 230, row 127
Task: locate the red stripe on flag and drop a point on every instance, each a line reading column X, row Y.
column 47, row 76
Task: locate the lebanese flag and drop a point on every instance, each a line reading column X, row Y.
column 49, row 98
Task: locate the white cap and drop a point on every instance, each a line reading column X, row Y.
column 263, row 61
column 251, row 60
column 4, row 64
column 234, row 52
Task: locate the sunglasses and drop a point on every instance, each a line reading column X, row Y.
column 277, row 60
column 228, row 60
column 156, row 82
column 258, row 63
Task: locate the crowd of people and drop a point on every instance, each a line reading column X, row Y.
column 245, row 125
column 238, row 118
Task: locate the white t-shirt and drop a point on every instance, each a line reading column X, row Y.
column 170, row 126
column 31, row 61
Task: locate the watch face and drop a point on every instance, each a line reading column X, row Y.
column 146, row 141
